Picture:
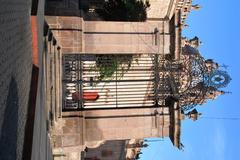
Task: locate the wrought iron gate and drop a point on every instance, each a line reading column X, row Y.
column 129, row 83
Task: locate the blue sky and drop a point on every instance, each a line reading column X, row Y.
column 217, row 25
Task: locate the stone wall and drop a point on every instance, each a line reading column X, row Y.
column 68, row 32
column 41, row 146
column 100, row 37
column 108, row 151
column 91, row 128
column 126, row 37
column 126, row 124
column 160, row 9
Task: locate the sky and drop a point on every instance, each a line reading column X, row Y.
column 217, row 25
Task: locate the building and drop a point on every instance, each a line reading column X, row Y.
column 116, row 149
column 87, row 84
column 157, row 77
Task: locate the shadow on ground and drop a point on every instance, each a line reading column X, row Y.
column 8, row 139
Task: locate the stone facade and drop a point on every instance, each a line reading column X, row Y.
column 161, row 9
column 160, row 35
column 77, row 130
column 76, row 35
column 116, row 149
column 108, row 151
column 99, row 37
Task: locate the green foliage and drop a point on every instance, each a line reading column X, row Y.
column 107, row 65
column 124, row 10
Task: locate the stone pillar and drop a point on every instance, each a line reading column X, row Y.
column 49, row 77
column 178, row 36
column 55, row 80
column 46, row 78
column 58, row 82
column 52, row 102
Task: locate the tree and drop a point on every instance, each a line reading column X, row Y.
column 124, row 10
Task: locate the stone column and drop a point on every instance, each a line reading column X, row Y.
column 56, row 82
column 178, row 36
column 59, row 81
column 49, row 77
column 54, row 100
column 46, row 78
